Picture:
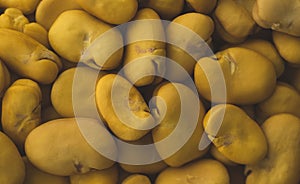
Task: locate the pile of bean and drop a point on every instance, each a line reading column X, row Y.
column 212, row 85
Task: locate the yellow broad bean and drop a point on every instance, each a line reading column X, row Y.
column 145, row 60
column 45, row 147
column 4, row 78
column 12, row 169
column 27, row 57
column 113, row 12
column 21, row 110
column 85, row 29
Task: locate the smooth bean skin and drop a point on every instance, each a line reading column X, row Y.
column 11, row 163
column 238, row 65
column 205, row 170
column 113, row 12
column 85, row 30
column 283, row 158
column 45, row 147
